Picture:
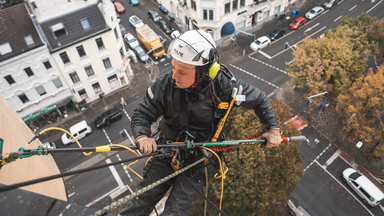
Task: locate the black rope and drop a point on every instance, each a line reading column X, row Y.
column 206, row 198
column 30, row 182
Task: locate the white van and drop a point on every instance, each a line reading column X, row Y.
column 79, row 131
column 370, row 193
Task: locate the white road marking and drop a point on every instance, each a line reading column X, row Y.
column 374, row 6
column 102, row 196
column 298, row 42
column 242, row 70
column 333, row 157
column 350, row 9
column 71, row 194
column 106, row 135
column 114, row 173
column 125, row 170
column 318, row 156
column 337, row 18
column 264, row 54
column 310, row 28
column 330, row 174
column 127, row 114
column 271, row 66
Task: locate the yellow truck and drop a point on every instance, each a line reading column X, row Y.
column 150, row 40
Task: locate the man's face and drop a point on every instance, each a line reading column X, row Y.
column 183, row 74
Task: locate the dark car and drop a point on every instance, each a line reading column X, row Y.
column 106, row 117
column 123, row 30
column 163, row 10
column 164, row 25
column 277, row 33
column 154, row 15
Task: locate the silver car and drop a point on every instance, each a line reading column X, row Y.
column 140, row 53
column 131, row 40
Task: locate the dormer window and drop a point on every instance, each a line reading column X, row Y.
column 85, row 24
column 5, row 49
column 58, row 30
column 29, row 40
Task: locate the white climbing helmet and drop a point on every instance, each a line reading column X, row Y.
column 192, row 47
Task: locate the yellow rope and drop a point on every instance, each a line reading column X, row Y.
column 65, row 131
column 128, row 166
column 222, row 176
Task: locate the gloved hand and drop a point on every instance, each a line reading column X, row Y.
column 273, row 137
column 147, row 145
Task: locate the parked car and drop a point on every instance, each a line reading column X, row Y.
column 311, row 14
column 79, row 131
column 134, row 2
column 135, row 21
column 260, row 43
column 131, row 40
column 277, row 33
column 370, row 193
column 330, row 3
column 119, row 8
column 49, row 145
column 164, row 26
column 163, row 10
column 123, row 30
column 140, row 53
column 107, row 117
column 297, row 23
column 175, row 34
column 154, row 15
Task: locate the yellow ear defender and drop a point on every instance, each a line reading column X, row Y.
column 213, row 70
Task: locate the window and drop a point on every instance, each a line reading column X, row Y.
column 227, row 8
column 96, row 87
column 366, row 194
column 9, row 79
column 64, row 57
column 210, row 14
column 116, row 34
column 59, row 30
column 99, row 42
column 47, row 64
column 40, row 90
column 353, row 182
column 57, row 82
column 29, row 40
column 242, row 3
column 74, row 77
column 121, row 53
column 107, row 63
column 5, row 49
column 193, row 4
column 113, row 81
column 234, row 4
column 29, row 71
column 81, row 51
column 89, row 70
column 85, row 24
column 83, row 94
column 23, row 98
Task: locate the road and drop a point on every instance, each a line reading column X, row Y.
column 320, row 192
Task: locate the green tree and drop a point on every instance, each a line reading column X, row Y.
column 258, row 177
column 363, row 110
column 14, row 2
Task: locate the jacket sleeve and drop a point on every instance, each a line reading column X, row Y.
column 150, row 109
column 257, row 100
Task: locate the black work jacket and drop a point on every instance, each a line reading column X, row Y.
column 194, row 110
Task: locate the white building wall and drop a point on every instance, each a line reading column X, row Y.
column 27, row 85
column 242, row 18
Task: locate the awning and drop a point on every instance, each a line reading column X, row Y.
column 227, row 29
column 45, row 110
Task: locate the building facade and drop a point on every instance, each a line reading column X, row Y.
column 85, row 42
column 221, row 18
column 29, row 78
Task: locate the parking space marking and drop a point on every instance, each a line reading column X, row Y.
column 374, row 6
column 271, row 66
column 310, row 28
column 242, row 70
column 318, row 156
column 333, row 157
column 337, row 18
column 115, row 173
column 264, row 54
column 330, row 174
column 106, row 135
column 127, row 114
column 350, row 9
column 126, row 172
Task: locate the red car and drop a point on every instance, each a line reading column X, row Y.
column 297, row 23
column 119, row 8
